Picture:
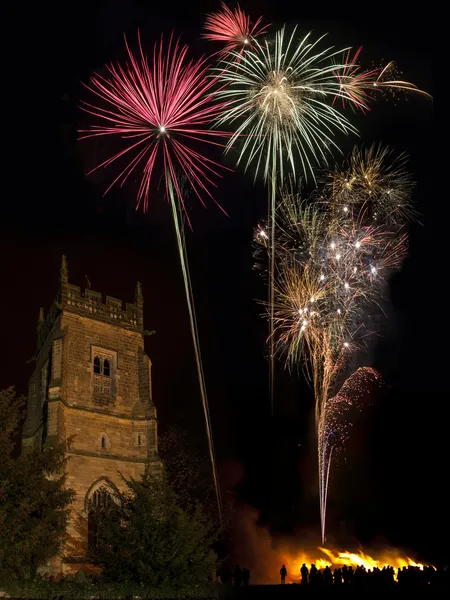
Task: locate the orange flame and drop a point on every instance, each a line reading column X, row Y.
column 335, row 559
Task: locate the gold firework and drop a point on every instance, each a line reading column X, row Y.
column 333, row 255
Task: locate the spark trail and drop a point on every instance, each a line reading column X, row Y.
column 358, row 87
column 335, row 424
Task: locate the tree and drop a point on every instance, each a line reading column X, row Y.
column 188, row 470
column 11, row 412
column 34, row 499
column 147, row 538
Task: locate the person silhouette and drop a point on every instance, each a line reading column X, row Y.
column 327, row 576
column 304, row 573
column 350, row 574
column 283, row 573
column 312, row 574
column 226, row 575
column 237, row 575
column 337, row 576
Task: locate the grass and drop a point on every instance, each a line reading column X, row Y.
column 102, row 591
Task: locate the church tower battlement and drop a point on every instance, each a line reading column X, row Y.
column 91, row 390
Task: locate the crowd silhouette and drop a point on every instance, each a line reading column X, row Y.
column 374, row 578
column 358, row 577
column 237, row 577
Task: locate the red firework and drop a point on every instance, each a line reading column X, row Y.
column 232, row 27
column 158, row 110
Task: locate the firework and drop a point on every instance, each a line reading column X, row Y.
column 232, row 28
column 162, row 111
column 158, row 111
column 333, row 255
column 358, row 87
column 336, row 421
column 375, row 173
column 279, row 102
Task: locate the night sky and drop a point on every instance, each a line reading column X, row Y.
column 397, row 461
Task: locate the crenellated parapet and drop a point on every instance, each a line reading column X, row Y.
column 112, row 310
column 88, row 302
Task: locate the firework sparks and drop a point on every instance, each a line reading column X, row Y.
column 158, row 111
column 358, row 87
column 279, row 101
column 332, row 258
column 162, row 111
column 336, row 427
column 336, row 421
column 376, row 174
column 232, row 28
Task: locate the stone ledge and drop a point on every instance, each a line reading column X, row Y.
column 103, row 412
column 114, row 457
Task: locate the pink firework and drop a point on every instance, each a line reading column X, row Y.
column 232, row 27
column 158, row 110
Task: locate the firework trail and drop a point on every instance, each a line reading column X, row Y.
column 162, row 111
column 232, row 28
column 279, row 101
column 333, row 255
column 359, row 88
column 335, row 424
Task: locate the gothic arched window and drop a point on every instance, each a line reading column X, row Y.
column 106, row 368
column 100, row 505
column 97, row 366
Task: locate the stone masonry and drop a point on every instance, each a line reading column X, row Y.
column 91, row 390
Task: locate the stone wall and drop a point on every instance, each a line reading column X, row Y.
column 82, row 335
column 85, row 430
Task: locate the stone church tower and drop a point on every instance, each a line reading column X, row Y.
column 92, row 391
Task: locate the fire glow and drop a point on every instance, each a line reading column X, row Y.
column 335, row 559
column 264, row 553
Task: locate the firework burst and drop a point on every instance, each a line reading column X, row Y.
column 333, row 255
column 377, row 179
column 232, row 28
column 162, row 111
column 279, row 102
